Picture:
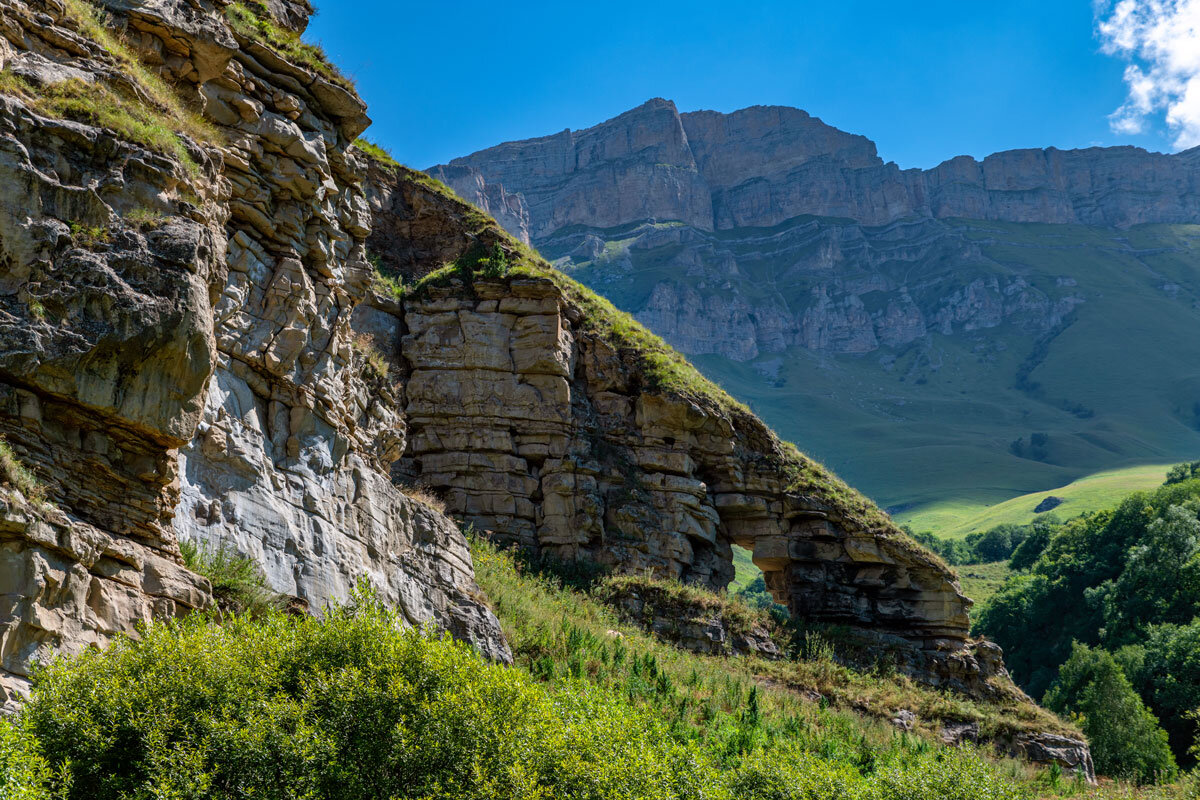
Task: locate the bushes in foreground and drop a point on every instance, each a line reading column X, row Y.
column 356, row 706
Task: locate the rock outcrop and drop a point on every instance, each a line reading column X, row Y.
column 176, row 352
column 696, row 621
column 539, row 424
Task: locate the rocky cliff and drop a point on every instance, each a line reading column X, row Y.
column 912, row 327
column 550, row 420
column 763, row 165
column 179, row 271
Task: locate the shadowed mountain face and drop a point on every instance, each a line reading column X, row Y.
column 972, row 331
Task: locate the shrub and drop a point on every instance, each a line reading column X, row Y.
column 1126, row 739
column 350, row 707
column 24, row 773
column 238, row 582
column 364, row 344
column 1183, row 472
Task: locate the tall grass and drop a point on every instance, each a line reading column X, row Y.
column 18, row 476
column 238, row 582
column 356, row 706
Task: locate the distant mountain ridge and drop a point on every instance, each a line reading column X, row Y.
column 918, row 329
column 765, row 164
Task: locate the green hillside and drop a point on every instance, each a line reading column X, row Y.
column 957, row 518
column 976, row 417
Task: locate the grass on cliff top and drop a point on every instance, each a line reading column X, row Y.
column 147, row 111
column 377, row 153
column 253, row 20
column 662, row 367
column 564, row 635
column 685, row 600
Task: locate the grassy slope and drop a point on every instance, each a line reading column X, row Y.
column 943, row 435
column 981, row 581
column 956, row 518
column 558, row 631
column 744, row 569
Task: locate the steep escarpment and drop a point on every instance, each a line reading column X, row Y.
column 181, row 243
column 766, row 164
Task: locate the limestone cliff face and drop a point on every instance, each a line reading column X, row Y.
column 762, row 165
column 194, row 348
column 793, row 234
column 176, row 352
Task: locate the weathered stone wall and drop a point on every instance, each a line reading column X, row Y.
column 534, row 427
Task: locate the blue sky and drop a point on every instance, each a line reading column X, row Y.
column 926, row 80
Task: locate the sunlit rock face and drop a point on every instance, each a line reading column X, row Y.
column 177, row 359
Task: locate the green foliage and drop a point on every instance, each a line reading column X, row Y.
column 1125, row 738
column 495, row 265
column 140, row 108
column 356, row 706
column 106, row 107
column 995, row 544
column 1160, row 581
column 145, row 219
column 1165, row 669
column 1183, row 472
column 18, row 476
column 24, row 773
column 756, row 595
column 1081, row 568
column 238, row 582
column 376, row 153
column 1031, row 548
column 90, row 237
column 1130, row 578
column 560, row 632
column 376, row 361
column 252, row 20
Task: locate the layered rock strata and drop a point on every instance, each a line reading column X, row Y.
column 176, row 353
column 762, row 165
column 538, row 425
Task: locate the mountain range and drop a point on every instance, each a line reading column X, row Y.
column 966, row 333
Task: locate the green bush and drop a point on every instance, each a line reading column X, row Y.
column 357, row 706
column 350, row 707
column 1126, row 739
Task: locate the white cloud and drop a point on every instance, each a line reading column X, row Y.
column 1161, row 41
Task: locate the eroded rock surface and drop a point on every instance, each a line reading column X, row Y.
column 765, row 164
column 536, row 426
column 176, row 353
